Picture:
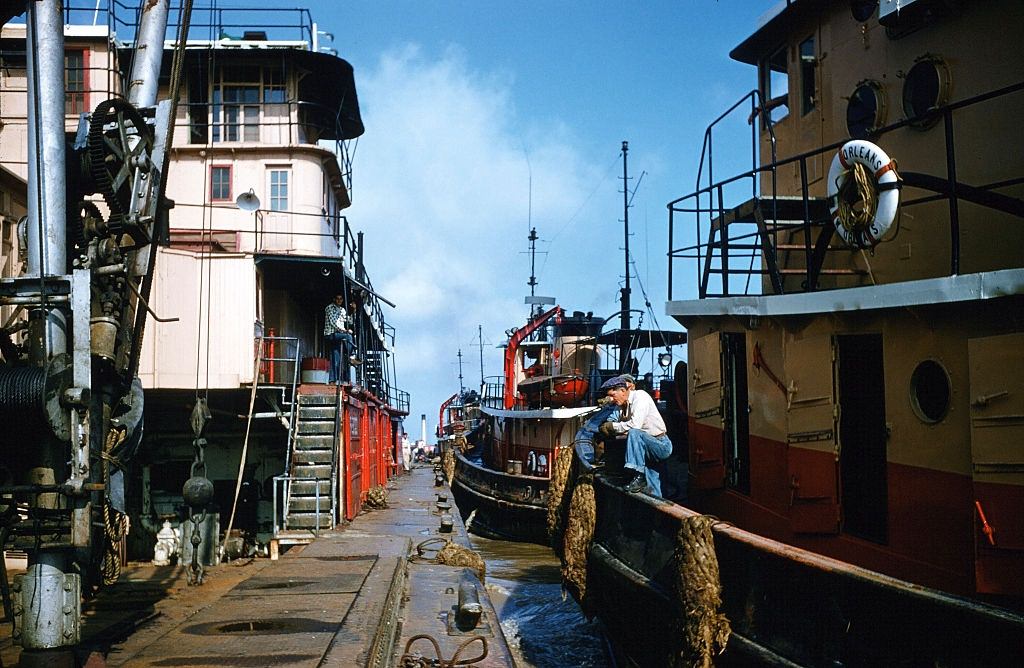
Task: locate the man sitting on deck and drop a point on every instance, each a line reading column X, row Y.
column 646, row 440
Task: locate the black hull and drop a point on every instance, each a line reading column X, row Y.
column 503, row 506
column 786, row 606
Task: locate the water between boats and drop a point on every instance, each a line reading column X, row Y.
column 544, row 628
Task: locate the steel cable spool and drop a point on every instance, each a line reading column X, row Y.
column 22, row 401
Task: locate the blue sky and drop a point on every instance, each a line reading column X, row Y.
column 485, row 117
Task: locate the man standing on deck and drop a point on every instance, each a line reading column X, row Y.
column 646, row 438
column 338, row 335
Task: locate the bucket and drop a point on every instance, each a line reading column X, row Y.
column 315, row 369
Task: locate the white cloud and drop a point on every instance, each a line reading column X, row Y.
column 442, row 183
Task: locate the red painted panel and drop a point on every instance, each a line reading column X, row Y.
column 814, row 503
column 999, row 568
column 353, row 419
column 707, row 456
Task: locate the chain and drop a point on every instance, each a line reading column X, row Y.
column 195, row 570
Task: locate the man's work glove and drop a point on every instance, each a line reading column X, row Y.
column 607, row 430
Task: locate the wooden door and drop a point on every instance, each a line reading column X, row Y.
column 707, row 456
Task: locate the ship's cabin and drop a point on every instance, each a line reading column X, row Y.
column 932, row 84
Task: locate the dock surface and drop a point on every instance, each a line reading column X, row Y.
column 352, row 597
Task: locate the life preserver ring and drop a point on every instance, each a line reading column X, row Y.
column 883, row 169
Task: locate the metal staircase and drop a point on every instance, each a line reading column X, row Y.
column 374, row 373
column 310, row 499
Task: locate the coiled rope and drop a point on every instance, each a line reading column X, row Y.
column 857, row 200
column 702, row 630
column 412, row 659
column 115, row 525
column 450, row 554
column 377, row 498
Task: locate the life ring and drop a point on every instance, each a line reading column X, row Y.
column 884, row 171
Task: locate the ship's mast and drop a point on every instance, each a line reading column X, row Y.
column 624, row 314
column 534, row 308
column 461, row 387
column 480, row 338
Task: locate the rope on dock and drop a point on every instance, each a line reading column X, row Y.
column 412, row 659
column 579, row 531
column 377, row 498
column 115, row 525
column 450, row 554
column 559, row 491
column 703, row 631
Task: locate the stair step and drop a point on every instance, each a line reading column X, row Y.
column 314, row 442
column 308, row 488
column 300, row 457
column 316, row 400
column 309, row 520
column 315, row 427
column 307, row 504
column 317, row 412
column 318, row 471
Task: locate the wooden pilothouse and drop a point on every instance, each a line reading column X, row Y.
column 856, row 363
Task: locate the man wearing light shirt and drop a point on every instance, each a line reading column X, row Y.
column 646, row 438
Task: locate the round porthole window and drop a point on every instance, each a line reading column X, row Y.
column 930, row 391
column 925, row 87
column 865, row 112
column 862, row 10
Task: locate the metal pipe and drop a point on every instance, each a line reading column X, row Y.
column 47, row 208
column 145, row 77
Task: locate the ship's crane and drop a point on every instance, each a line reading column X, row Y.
column 69, row 397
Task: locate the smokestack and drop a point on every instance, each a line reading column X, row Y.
column 423, row 427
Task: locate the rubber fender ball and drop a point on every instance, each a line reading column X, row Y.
column 198, row 491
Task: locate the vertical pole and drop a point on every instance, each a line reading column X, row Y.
column 624, row 315
column 461, row 388
column 145, row 77
column 534, row 308
column 480, row 337
column 47, row 634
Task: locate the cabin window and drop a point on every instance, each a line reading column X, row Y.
column 736, row 416
column 239, row 97
column 925, row 88
column 279, row 189
column 808, row 66
column 930, row 391
column 75, row 89
column 862, row 10
column 775, row 85
column 865, row 112
column 220, row 183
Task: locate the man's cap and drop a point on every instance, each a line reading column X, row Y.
column 615, row 381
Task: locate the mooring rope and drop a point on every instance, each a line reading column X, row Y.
column 450, row 554
column 579, row 531
column 702, row 630
column 115, row 524
column 412, row 659
column 558, row 489
column 857, row 201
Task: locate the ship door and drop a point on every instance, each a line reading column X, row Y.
column 862, row 437
column 707, row 460
column 997, row 459
column 736, row 411
column 811, row 435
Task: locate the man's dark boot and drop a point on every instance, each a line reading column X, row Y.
column 638, row 482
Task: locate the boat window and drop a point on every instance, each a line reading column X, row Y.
column 775, row 85
column 924, row 88
column 865, row 112
column 863, row 10
column 808, row 65
column 75, row 84
column 930, row 391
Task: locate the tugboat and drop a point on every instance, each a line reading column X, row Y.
column 856, row 362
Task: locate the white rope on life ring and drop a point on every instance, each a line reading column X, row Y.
column 884, row 172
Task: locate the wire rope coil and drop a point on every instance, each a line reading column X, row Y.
column 863, row 193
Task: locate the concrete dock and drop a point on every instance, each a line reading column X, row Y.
column 353, row 597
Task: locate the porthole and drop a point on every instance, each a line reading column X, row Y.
column 865, row 112
column 925, row 88
column 930, row 391
column 862, row 10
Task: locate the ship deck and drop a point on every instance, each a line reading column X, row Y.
column 351, row 597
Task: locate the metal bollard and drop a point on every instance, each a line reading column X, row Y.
column 441, row 498
column 469, row 610
column 447, row 523
column 438, row 480
column 444, row 507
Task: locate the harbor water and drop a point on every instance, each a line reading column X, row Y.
column 544, row 628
